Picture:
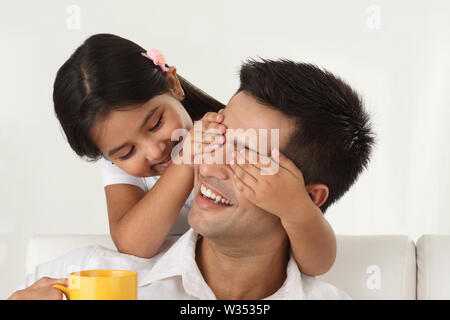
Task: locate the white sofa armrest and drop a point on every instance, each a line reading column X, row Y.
column 374, row 267
column 433, row 267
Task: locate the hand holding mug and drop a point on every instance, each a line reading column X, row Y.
column 41, row 290
column 83, row 285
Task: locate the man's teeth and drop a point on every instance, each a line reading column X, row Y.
column 211, row 195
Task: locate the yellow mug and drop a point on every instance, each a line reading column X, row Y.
column 101, row 285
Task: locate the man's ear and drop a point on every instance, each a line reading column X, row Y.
column 318, row 193
column 175, row 84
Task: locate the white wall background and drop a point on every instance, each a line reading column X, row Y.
column 396, row 53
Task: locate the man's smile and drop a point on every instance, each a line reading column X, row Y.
column 209, row 198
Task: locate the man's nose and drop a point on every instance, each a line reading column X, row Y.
column 215, row 165
column 218, row 171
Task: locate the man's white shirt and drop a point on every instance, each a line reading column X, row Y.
column 173, row 273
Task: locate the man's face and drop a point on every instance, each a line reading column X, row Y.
column 241, row 219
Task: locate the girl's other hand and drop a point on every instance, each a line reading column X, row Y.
column 206, row 135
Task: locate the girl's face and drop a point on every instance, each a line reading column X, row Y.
column 138, row 139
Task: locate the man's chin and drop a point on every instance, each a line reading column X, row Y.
column 208, row 224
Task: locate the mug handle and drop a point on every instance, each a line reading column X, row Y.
column 64, row 290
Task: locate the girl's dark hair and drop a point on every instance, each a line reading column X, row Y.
column 333, row 140
column 106, row 73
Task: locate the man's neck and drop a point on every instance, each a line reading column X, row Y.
column 245, row 275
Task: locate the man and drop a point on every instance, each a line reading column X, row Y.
column 237, row 250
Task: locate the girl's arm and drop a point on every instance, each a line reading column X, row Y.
column 139, row 222
column 313, row 242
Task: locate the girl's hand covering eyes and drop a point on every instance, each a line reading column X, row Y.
column 206, row 135
column 276, row 191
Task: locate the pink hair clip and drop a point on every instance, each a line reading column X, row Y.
column 157, row 57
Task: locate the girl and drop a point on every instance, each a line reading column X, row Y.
column 119, row 104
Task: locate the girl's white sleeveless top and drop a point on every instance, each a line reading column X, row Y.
column 112, row 174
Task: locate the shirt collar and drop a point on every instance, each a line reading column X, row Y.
column 193, row 281
column 179, row 260
column 292, row 288
column 170, row 262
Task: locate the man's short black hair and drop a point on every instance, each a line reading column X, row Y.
column 333, row 140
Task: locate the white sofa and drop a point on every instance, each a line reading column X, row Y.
column 366, row 267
